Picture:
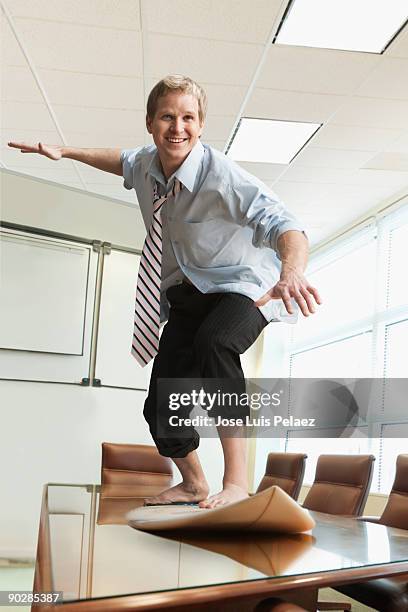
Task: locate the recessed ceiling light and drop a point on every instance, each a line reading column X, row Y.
column 350, row 25
column 269, row 141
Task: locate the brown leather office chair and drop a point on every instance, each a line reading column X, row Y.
column 130, row 465
column 341, row 484
column 395, row 513
column 130, row 473
column 387, row 594
column 285, row 470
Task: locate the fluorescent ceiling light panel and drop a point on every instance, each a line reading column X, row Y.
column 350, row 25
column 269, row 141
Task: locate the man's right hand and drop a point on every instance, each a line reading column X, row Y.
column 107, row 160
column 50, row 151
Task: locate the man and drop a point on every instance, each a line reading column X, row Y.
column 213, row 234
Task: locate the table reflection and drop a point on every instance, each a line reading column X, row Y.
column 87, row 550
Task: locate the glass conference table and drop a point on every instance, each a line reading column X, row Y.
column 87, row 551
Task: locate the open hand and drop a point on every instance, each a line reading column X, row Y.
column 50, row 151
column 293, row 284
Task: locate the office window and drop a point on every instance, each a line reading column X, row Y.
column 346, row 358
column 392, row 445
column 347, row 288
column 396, row 343
column 397, row 287
column 360, row 331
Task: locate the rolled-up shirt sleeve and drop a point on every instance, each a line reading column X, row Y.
column 127, row 158
column 265, row 213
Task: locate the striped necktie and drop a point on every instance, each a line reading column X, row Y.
column 145, row 343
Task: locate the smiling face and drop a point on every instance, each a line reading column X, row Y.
column 175, row 128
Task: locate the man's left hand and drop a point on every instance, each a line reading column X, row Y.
column 293, row 284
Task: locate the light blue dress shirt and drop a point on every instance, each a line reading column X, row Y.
column 221, row 231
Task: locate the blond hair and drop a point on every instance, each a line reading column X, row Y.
column 177, row 82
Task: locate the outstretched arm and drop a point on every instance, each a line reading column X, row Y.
column 107, row 160
column 293, row 249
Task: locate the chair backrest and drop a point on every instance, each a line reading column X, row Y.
column 134, row 464
column 341, row 484
column 286, row 470
column 396, row 511
column 277, row 605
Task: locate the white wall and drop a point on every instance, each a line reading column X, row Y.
column 53, row 432
column 41, row 204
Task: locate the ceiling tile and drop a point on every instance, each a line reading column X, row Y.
column 389, row 161
column 372, row 112
column 385, row 81
column 18, row 84
column 105, row 13
column 94, row 90
column 395, row 179
column 224, row 99
column 215, row 144
column 332, row 158
column 80, row 48
column 292, row 106
column 10, row 51
column 314, row 70
column 352, row 137
column 265, row 172
column 310, row 219
column 29, row 135
column 399, row 46
column 205, row 61
column 307, row 174
column 319, row 235
column 101, row 138
column 214, row 19
column 316, row 197
column 96, row 119
column 217, row 128
column 399, row 145
column 23, row 115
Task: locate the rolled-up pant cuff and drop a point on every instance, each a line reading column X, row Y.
column 178, row 450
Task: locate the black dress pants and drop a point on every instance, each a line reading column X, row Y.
column 203, row 338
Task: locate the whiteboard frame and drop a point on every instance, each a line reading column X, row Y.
column 129, row 364
column 33, row 366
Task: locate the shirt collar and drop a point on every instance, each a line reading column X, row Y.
column 186, row 173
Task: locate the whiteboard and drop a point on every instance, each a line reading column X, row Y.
column 43, row 294
column 115, row 366
column 48, row 335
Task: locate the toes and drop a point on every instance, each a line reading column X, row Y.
column 207, row 503
column 204, row 504
column 218, row 502
column 212, row 503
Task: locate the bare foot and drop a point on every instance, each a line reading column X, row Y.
column 231, row 493
column 183, row 492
